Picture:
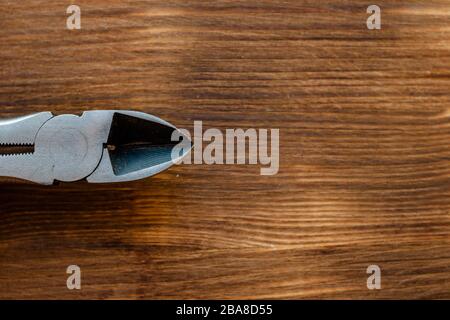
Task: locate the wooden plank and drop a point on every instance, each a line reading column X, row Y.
column 364, row 155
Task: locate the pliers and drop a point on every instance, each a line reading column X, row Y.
column 98, row 146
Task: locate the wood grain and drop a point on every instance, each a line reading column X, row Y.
column 364, row 139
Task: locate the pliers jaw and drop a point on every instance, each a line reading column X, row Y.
column 139, row 145
column 99, row 146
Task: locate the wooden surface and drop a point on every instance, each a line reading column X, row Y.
column 364, row 178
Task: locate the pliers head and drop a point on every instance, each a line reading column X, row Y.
column 98, row 146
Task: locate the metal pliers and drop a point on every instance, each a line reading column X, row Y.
column 98, row 146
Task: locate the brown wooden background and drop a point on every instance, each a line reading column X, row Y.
column 365, row 149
